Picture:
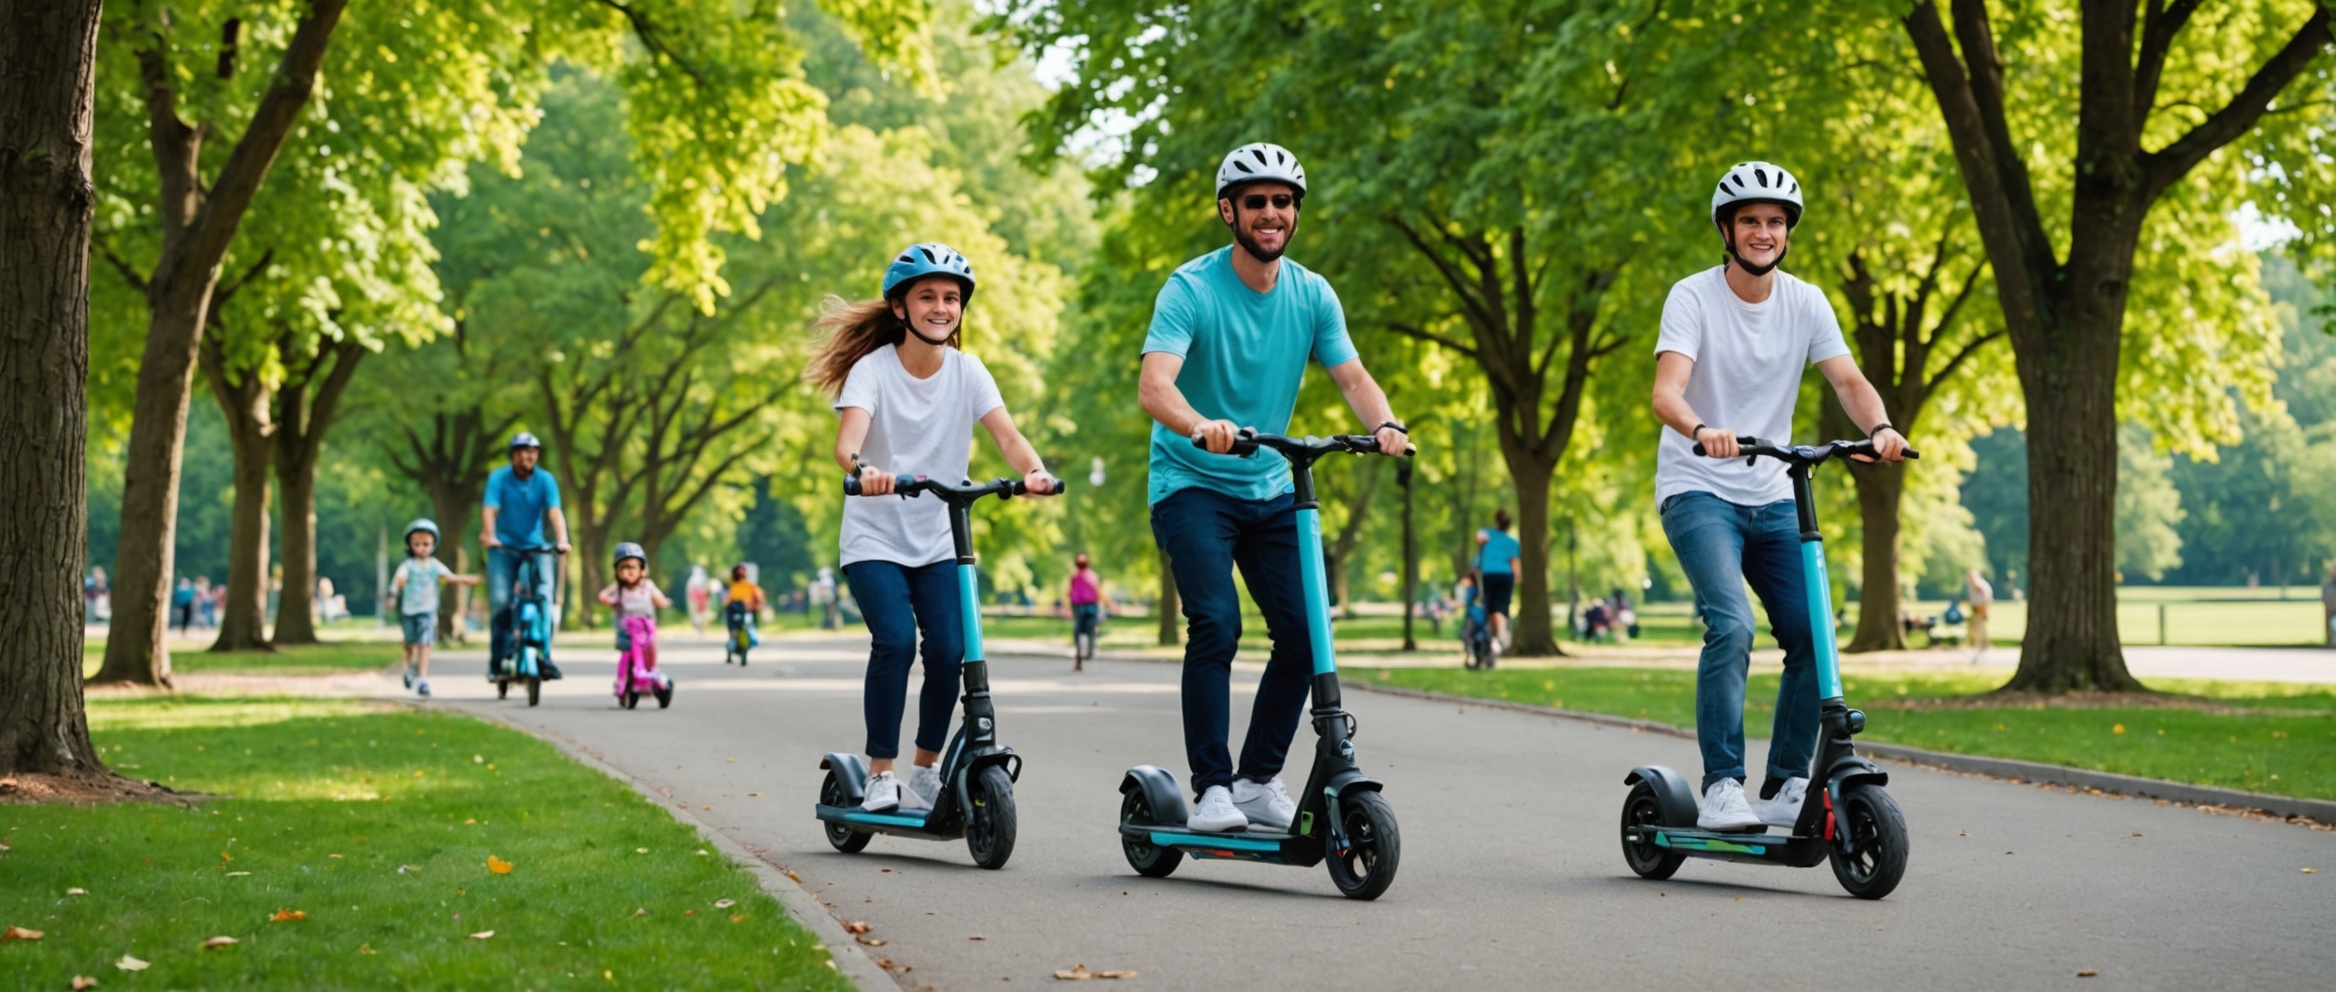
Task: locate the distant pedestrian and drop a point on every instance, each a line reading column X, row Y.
column 1088, row 603
column 700, row 592
column 823, row 598
column 2328, row 603
column 1981, row 596
column 182, row 603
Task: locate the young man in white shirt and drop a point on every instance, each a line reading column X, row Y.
column 1728, row 364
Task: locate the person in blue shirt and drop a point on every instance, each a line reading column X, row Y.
column 521, row 498
column 1496, row 559
column 1230, row 337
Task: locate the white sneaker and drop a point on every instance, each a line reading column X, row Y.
column 924, row 788
column 1724, row 808
column 1216, row 813
column 883, row 793
column 1785, row 809
column 423, row 687
column 1268, row 805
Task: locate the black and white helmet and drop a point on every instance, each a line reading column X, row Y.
column 1756, row 182
column 1260, row 162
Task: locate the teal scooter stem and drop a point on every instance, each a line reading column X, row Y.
column 977, row 772
column 1342, row 817
column 1848, row 817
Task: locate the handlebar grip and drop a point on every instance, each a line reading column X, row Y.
column 851, row 485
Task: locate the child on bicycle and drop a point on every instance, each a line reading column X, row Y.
column 908, row 400
column 1476, row 621
column 416, row 590
column 743, row 605
column 636, row 600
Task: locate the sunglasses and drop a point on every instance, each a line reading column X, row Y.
column 1257, row 201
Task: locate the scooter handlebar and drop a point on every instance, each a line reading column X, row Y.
column 1249, row 440
column 912, row 488
column 1809, row 454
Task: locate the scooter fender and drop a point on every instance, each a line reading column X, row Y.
column 854, row 775
column 1160, row 792
column 1846, row 771
column 1352, row 780
column 1672, row 793
column 974, row 763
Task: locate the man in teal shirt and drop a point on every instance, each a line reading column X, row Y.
column 1230, row 337
column 1496, row 566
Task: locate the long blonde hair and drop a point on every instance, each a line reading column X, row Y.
column 853, row 330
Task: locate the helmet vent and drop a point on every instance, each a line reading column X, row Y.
column 1760, row 176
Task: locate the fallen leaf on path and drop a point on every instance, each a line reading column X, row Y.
column 128, row 963
column 2088, row 973
column 498, row 865
column 288, row 915
column 870, row 941
column 856, row 926
column 83, row 983
column 218, row 942
column 1079, row 973
column 757, row 795
column 2310, row 871
column 977, row 937
column 482, row 935
column 725, row 903
column 791, row 874
column 20, row 933
column 76, row 892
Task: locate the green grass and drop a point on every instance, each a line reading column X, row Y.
column 2289, row 752
column 377, row 824
column 307, row 659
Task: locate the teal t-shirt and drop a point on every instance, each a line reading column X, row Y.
column 520, row 504
column 1499, row 547
column 1244, row 357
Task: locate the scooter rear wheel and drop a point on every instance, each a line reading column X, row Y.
column 1643, row 810
column 1149, row 860
column 534, row 690
column 502, row 688
column 629, row 700
column 1374, row 847
column 845, row 839
column 665, row 696
column 989, row 833
column 1873, row 824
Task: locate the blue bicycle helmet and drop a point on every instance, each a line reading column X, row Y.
column 627, row 549
column 424, row 525
column 929, row 259
column 524, row 440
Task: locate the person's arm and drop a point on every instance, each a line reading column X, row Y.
column 1162, row 401
column 1864, row 406
column 559, row 528
column 487, row 526
column 1019, row 453
column 849, row 435
column 607, row 596
column 657, row 595
column 1369, row 403
column 1672, row 370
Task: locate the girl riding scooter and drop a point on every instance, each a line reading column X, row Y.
column 637, row 601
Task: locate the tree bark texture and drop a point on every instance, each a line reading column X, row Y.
column 305, row 405
column 199, row 223
column 244, row 398
column 2066, row 318
column 48, row 57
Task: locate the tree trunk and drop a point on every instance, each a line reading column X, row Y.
column 243, row 617
column 50, row 52
column 453, row 519
column 134, row 648
column 305, row 407
column 1170, row 610
column 1534, row 635
column 1880, row 488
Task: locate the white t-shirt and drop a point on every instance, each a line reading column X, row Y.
column 917, row 427
column 1748, row 362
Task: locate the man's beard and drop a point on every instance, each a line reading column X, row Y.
column 1248, row 242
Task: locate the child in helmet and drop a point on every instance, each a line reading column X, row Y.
column 908, row 400
column 416, row 590
column 636, row 600
column 744, row 603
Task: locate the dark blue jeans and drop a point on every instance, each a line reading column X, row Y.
column 1206, row 535
column 1722, row 546
column 502, row 572
column 896, row 601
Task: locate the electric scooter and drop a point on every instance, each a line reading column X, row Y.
column 977, row 773
column 735, row 640
column 1851, row 820
column 1341, row 814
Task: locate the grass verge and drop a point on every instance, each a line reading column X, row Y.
column 376, row 826
column 2261, row 737
column 306, row 659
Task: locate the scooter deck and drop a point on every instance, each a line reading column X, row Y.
column 1241, row 845
column 1762, row 848
column 901, row 823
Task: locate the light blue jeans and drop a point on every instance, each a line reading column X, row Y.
column 1722, row 546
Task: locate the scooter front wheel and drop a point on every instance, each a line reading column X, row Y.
column 1367, row 867
column 845, row 839
column 1148, row 859
column 1876, row 831
column 989, row 833
column 1642, row 812
column 534, row 690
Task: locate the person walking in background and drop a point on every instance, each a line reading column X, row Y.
column 204, row 614
column 1087, row 606
column 1980, row 595
column 1496, row 563
column 182, row 603
column 823, row 598
column 698, row 588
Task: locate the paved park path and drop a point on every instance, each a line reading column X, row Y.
column 1511, row 876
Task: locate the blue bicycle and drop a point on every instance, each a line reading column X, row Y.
column 532, row 613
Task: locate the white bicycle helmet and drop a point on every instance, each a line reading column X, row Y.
column 1260, row 161
column 1757, row 182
